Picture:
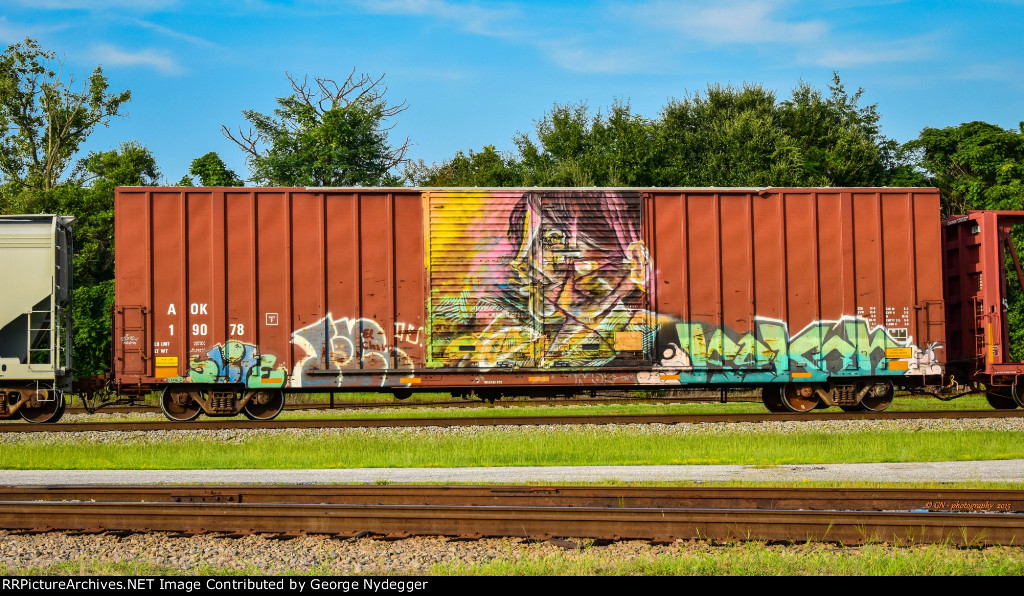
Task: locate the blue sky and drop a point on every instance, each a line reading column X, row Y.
column 476, row 73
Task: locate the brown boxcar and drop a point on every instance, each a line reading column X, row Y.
column 978, row 250
column 228, row 297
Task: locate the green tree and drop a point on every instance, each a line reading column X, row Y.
column 726, row 137
column 91, row 200
column 575, row 148
column 90, row 313
column 324, row 134
column 44, row 120
column 976, row 165
column 839, row 141
column 211, row 171
column 488, row 168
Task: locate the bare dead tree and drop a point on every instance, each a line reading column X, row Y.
column 328, row 94
column 314, row 99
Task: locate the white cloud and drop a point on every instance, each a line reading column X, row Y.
column 492, row 20
column 541, row 29
column 576, row 56
column 732, row 21
column 1002, row 71
column 192, row 39
column 11, row 33
column 768, row 27
column 865, row 52
column 625, row 37
column 108, row 55
column 93, row 5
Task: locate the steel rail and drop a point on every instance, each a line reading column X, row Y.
column 235, row 422
column 833, row 499
column 500, row 519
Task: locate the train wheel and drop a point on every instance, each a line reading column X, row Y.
column 45, row 405
column 63, row 408
column 179, row 404
column 799, row 398
column 1000, row 402
column 1018, row 394
column 879, row 398
column 264, row 405
column 771, row 397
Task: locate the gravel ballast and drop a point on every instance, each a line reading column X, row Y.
column 318, row 555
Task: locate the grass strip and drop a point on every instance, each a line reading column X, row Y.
column 755, row 558
column 475, row 446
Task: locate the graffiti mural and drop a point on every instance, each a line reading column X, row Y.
column 850, row 346
column 562, row 285
column 237, row 362
column 334, row 347
column 847, row 347
column 558, row 279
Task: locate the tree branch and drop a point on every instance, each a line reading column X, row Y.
column 245, row 141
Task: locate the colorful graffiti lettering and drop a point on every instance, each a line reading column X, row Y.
column 237, row 362
column 407, row 333
column 334, row 347
column 824, row 349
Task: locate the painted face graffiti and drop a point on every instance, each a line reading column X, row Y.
column 578, row 257
column 573, row 292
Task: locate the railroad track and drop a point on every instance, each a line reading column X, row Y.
column 239, row 423
column 341, row 403
column 609, row 399
column 847, row 516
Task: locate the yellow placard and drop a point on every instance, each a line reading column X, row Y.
column 899, row 353
column 410, row 380
column 167, row 361
column 539, row 379
column 629, row 341
column 669, row 377
column 899, row 365
column 800, row 374
column 166, row 373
